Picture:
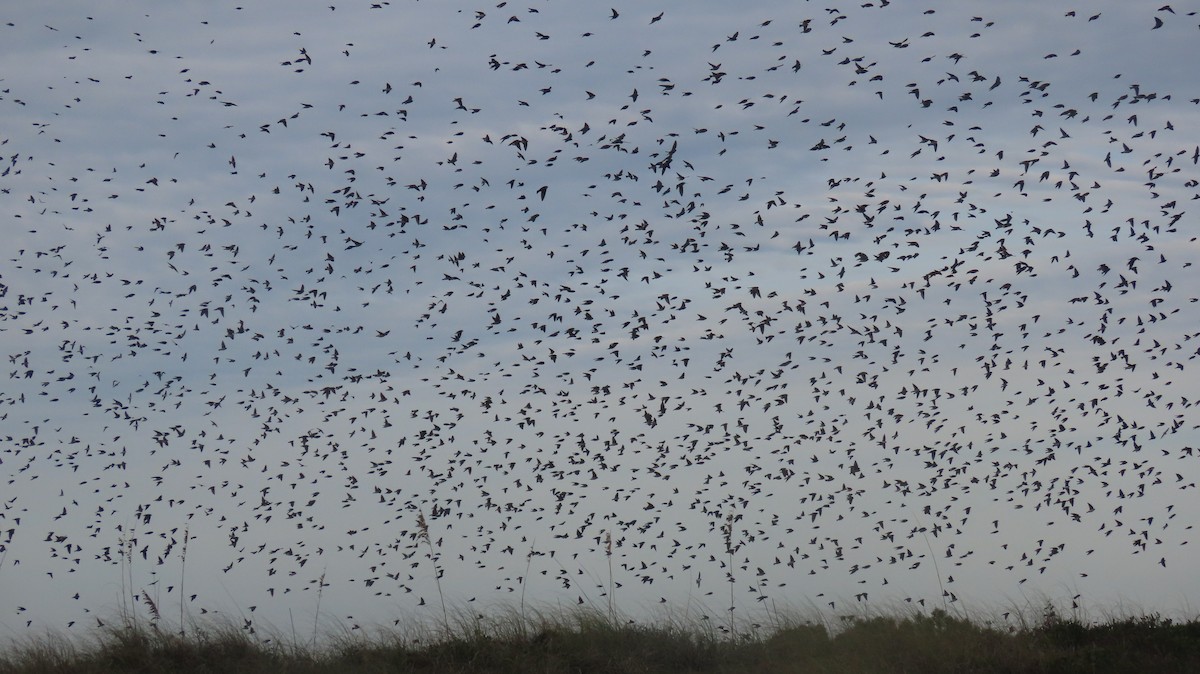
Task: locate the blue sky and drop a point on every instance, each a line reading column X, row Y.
column 905, row 291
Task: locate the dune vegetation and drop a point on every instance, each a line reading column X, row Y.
column 589, row 640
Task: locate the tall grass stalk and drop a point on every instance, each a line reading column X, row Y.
column 727, row 531
column 121, row 568
column 423, row 533
column 317, row 614
column 129, row 595
column 292, row 622
column 608, row 547
column 133, row 595
column 524, row 582
column 182, row 578
column 152, row 605
column 4, row 550
column 932, row 556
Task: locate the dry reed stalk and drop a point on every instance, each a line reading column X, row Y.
column 727, row 531
column 317, row 615
column 182, row 577
column 608, row 548
column 423, row 533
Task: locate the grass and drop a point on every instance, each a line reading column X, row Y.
column 589, row 640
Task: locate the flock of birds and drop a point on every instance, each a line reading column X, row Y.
column 366, row 303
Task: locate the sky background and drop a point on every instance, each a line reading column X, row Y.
column 841, row 306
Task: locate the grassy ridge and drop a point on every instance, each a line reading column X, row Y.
column 588, row 641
